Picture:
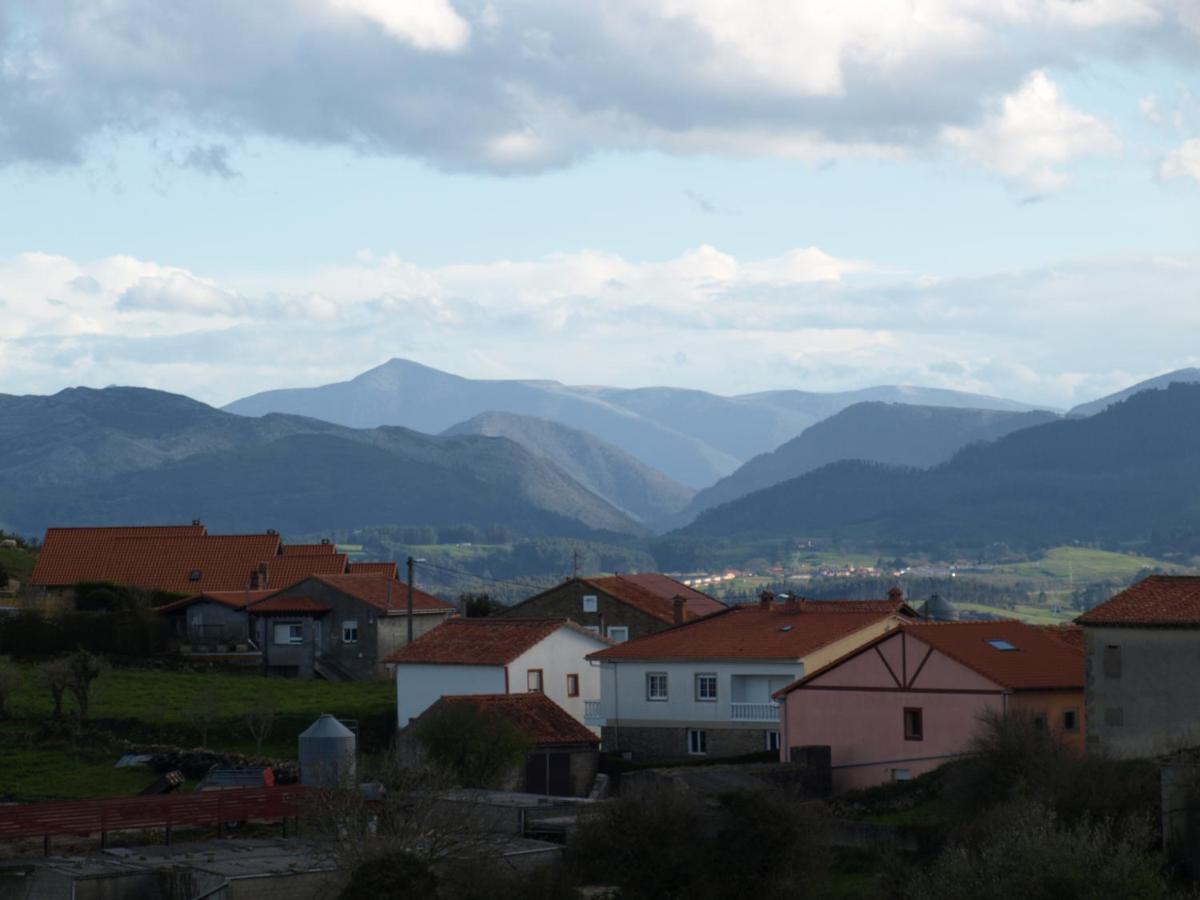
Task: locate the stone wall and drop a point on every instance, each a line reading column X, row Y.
column 670, row 744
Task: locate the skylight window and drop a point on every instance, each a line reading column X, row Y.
column 786, row 627
column 999, row 644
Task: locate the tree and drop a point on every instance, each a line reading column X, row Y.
column 4, row 578
column 400, row 875
column 259, row 719
column 83, row 669
column 479, row 606
column 477, row 748
column 10, row 682
column 55, row 676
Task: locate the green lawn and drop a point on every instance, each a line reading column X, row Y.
column 1026, row 612
column 19, row 563
column 67, row 774
column 1083, row 565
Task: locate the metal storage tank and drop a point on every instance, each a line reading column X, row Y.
column 327, row 754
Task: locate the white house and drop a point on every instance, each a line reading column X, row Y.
column 704, row 688
column 497, row 656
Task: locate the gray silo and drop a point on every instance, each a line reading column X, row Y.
column 327, row 754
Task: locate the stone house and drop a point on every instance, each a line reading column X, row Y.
column 909, row 700
column 619, row 607
column 704, row 688
column 1142, row 663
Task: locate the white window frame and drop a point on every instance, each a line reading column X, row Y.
column 697, row 739
column 590, row 603
column 350, row 631
column 618, row 633
column 773, row 742
column 704, row 678
column 594, row 629
column 653, row 679
column 540, row 680
column 293, row 630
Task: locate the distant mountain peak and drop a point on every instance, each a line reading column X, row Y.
column 1158, row 382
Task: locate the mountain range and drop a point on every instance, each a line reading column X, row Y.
column 1121, row 475
column 693, row 437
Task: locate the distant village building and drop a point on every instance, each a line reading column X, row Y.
column 497, row 656
column 1143, row 663
column 910, row 700
column 704, row 688
column 620, row 607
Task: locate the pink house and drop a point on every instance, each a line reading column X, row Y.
column 910, row 700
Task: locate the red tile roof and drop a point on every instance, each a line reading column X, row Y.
column 232, row 599
column 71, row 555
column 308, row 549
column 286, row 603
column 388, row 569
column 478, row 642
column 785, row 631
column 655, row 595
column 284, row 571
column 1165, row 600
column 1042, row 659
column 384, row 593
column 545, row 722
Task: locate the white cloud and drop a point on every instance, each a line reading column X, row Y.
column 1032, row 135
column 426, row 24
column 1182, row 162
column 178, row 292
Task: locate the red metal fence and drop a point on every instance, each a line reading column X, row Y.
column 83, row 818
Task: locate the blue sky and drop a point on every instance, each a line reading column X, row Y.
column 731, row 196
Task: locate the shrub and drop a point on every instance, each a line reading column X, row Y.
column 479, row 749
column 395, row 876
column 10, row 683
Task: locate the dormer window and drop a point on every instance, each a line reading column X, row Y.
column 194, row 575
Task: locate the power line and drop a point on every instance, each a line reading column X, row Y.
column 486, row 578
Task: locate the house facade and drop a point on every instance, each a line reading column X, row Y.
column 497, row 656
column 910, row 700
column 704, row 688
column 620, row 607
column 1141, row 668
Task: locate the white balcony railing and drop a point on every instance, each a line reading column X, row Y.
column 754, row 712
column 591, row 712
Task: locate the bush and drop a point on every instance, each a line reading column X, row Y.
column 479, row 749
column 396, row 876
column 10, row 683
column 1024, row 850
column 135, row 633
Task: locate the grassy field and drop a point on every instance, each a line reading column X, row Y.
column 1082, row 565
column 1026, row 612
column 19, row 563
column 55, row 773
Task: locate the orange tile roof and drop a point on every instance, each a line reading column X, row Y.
column 285, row 603
column 389, row 569
column 1165, row 600
column 1042, row 659
column 544, row 721
column 668, row 588
column 384, row 593
column 284, row 571
column 784, row 631
column 656, row 596
column 232, row 599
column 308, row 549
column 71, row 555
column 479, row 642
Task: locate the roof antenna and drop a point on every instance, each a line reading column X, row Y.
column 575, row 563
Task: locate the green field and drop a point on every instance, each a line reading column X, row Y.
column 1034, row 615
column 1082, row 565
column 67, row 774
column 18, row 563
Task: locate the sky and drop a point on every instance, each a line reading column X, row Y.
column 217, row 197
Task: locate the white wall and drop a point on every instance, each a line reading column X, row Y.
column 418, row 686
column 623, row 689
column 558, row 655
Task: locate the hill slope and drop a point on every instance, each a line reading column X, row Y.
column 1119, row 476
column 691, row 436
column 1187, row 376
column 891, row 433
column 606, row 470
column 130, row 455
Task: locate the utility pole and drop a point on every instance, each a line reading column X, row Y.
column 411, row 561
column 574, row 563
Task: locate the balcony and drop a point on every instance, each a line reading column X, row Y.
column 591, row 713
column 754, row 712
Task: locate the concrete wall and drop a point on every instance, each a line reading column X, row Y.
column 419, row 685
column 669, row 743
column 559, row 654
column 205, row 622
column 1153, row 706
column 392, row 633
column 566, row 601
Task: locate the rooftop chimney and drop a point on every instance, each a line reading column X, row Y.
column 895, row 595
column 765, row 599
column 254, row 580
column 677, row 609
column 262, row 575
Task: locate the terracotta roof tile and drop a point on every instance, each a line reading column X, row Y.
column 284, row 571
column 308, row 549
column 384, row 593
column 655, row 595
column 480, row 642
column 782, row 631
column 388, row 569
column 71, row 555
column 545, row 722
column 287, row 603
column 232, row 599
column 1167, row 600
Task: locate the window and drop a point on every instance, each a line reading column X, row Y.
column 350, row 631
column 533, row 681
column 1070, row 720
column 901, row 774
column 656, row 685
column 589, row 602
column 289, row 633
column 1039, row 722
column 706, row 688
column 618, row 633
column 1112, row 661
column 572, row 685
column 194, row 575
column 999, row 644
column 772, row 740
column 914, row 726
column 697, row 742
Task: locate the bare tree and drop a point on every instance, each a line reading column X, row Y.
column 259, row 720
column 83, row 668
column 54, row 676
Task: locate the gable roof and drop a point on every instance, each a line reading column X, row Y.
column 289, row 603
column 388, row 569
column 784, row 631
column 309, row 549
column 71, row 555
column 1163, row 600
column 231, row 599
column 1042, row 660
column 545, row 722
column 481, row 642
column 285, row 570
column 655, row 595
column 386, row 594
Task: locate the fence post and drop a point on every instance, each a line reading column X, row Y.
column 103, row 825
